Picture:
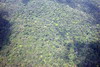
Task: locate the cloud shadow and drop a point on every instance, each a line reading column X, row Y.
column 92, row 55
column 4, row 29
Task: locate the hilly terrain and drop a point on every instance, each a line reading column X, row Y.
column 49, row 33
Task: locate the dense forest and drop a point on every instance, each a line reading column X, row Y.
column 49, row 33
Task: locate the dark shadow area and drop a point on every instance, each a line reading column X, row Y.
column 4, row 29
column 91, row 52
column 93, row 10
column 2, row 1
column 25, row 1
column 84, row 5
column 87, row 54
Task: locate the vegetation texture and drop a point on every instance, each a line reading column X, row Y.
column 49, row 33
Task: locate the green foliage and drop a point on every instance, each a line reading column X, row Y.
column 44, row 34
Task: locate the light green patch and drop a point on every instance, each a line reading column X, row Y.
column 75, row 22
column 67, row 33
column 20, row 46
column 56, row 24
